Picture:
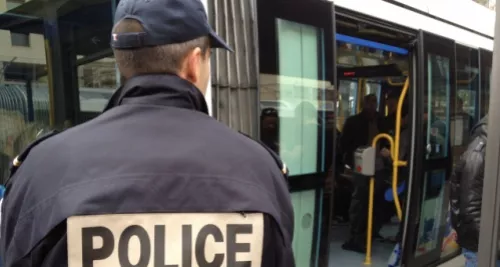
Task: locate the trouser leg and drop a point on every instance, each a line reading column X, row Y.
column 359, row 210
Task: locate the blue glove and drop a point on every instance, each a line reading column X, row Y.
column 388, row 193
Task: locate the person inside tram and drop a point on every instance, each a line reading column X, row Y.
column 389, row 126
column 343, row 186
column 466, row 193
column 403, row 172
column 269, row 134
column 359, row 130
column 436, row 130
column 460, row 110
column 392, row 107
column 467, row 121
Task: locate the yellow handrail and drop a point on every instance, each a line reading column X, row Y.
column 394, row 148
column 368, row 258
column 392, row 83
column 396, row 162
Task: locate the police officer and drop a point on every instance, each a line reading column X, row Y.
column 154, row 180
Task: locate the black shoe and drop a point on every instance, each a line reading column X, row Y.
column 340, row 220
column 391, row 240
column 378, row 237
column 353, row 246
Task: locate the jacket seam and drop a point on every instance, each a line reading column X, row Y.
column 26, row 214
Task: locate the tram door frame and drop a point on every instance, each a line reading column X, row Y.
column 321, row 15
column 485, row 68
column 424, row 167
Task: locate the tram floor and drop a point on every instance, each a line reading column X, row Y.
column 380, row 251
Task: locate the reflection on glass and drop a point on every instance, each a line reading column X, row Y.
column 297, row 120
column 437, row 115
column 464, row 112
column 485, row 101
column 346, row 103
column 463, row 108
column 11, row 4
column 431, row 212
column 24, row 96
column 97, row 81
column 298, row 84
column 25, row 102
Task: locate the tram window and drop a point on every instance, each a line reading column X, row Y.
column 358, row 52
column 464, row 101
column 347, row 104
column 374, row 88
column 438, row 71
column 485, row 103
column 24, row 89
column 11, row 4
column 97, row 81
column 349, row 97
column 486, row 60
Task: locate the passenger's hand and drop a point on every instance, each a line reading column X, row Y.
column 386, row 153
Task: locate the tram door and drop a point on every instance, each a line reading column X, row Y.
column 431, row 163
column 296, row 48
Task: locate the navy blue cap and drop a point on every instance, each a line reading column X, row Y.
column 164, row 22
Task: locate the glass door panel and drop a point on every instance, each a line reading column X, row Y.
column 430, row 213
column 437, row 110
column 296, row 98
column 485, row 59
column 432, row 163
column 298, row 65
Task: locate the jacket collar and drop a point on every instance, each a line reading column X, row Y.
column 159, row 89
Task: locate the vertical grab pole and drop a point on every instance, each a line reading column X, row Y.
column 396, row 162
column 368, row 258
column 394, row 145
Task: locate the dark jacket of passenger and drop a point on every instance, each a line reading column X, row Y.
column 355, row 134
column 467, row 189
column 155, row 151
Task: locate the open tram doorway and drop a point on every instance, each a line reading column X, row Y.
column 373, row 63
column 310, row 52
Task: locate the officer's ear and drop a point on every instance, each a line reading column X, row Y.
column 190, row 67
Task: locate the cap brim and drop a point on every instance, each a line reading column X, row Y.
column 217, row 42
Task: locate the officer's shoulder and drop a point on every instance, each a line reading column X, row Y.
column 238, row 145
column 265, row 153
column 21, row 157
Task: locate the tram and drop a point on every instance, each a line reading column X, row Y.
column 357, row 48
column 315, row 61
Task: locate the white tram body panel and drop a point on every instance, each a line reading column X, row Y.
column 462, row 12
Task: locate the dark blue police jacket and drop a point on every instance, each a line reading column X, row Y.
column 185, row 190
